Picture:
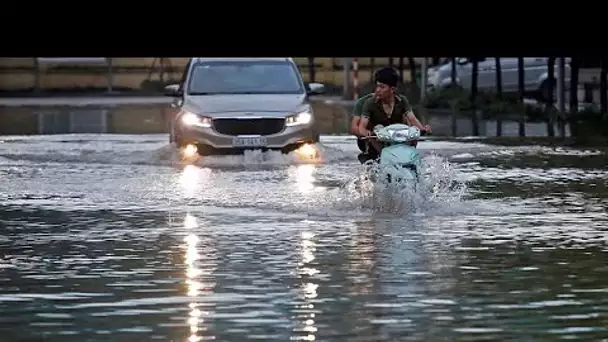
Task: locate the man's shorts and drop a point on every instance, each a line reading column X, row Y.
column 362, row 144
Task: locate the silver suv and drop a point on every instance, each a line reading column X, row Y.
column 235, row 104
column 535, row 75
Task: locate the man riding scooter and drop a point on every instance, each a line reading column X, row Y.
column 383, row 107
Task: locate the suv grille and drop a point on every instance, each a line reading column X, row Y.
column 249, row 126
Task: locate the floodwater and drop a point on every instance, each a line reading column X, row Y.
column 110, row 238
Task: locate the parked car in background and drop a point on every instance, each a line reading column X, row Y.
column 535, row 75
column 235, row 104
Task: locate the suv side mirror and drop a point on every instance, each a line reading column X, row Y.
column 315, row 88
column 172, row 90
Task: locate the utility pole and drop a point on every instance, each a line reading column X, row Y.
column 355, row 78
column 347, row 64
column 423, row 67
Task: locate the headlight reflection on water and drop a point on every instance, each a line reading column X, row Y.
column 192, row 179
column 196, row 289
column 305, row 329
column 304, row 177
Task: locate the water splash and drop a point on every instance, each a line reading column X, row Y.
column 438, row 188
column 325, row 154
column 136, row 150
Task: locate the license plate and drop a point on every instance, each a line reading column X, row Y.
column 249, row 142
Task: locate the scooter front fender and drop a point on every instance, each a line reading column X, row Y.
column 400, row 162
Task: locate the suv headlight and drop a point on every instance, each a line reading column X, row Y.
column 302, row 118
column 191, row 119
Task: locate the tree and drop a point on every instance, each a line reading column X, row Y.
column 550, row 100
column 453, row 85
column 412, row 64
column 453, row 75
column 311, row 69
column 603, row 86
column 498, row 93
column 521, row 86
column 498, row 77
column 474, row 77
column 573, row 98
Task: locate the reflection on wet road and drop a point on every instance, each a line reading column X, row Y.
column 109, row 238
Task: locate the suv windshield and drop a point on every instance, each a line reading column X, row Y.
column 244, row 77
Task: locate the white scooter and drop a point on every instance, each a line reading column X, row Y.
column 399, row 159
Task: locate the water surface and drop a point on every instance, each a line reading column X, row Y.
column 110, row 238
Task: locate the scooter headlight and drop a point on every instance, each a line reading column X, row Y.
column 302, row 118
column 191, row 119
column 404, row 135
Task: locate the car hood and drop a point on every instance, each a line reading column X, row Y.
column 229, row 105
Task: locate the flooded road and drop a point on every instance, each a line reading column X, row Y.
column 109, row 238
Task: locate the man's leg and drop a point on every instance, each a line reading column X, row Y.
column 364, row 148
column 374, row 148
column 363, row 157
column 371, row 153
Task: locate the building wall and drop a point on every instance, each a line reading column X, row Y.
column 130, row 73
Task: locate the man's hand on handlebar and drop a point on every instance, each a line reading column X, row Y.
column 366, row 133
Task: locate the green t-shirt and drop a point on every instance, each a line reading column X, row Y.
column 358, row 108
column 359, row 104
column 372, row 110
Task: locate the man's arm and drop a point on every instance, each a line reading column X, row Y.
column 357, row 110
column 365, row 117
column 354, row 125
column 410, row 118
column 354, row 122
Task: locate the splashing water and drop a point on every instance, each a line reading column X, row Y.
column 309, row 154
column 438, row 188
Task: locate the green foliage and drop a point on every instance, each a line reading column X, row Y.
column 489, row 103
column 590, row 114
column 459, row 98
column 589, row 126
column 448, row 98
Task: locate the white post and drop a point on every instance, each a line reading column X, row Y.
column 355, row 62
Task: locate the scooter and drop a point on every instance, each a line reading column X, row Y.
column 399, row 159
